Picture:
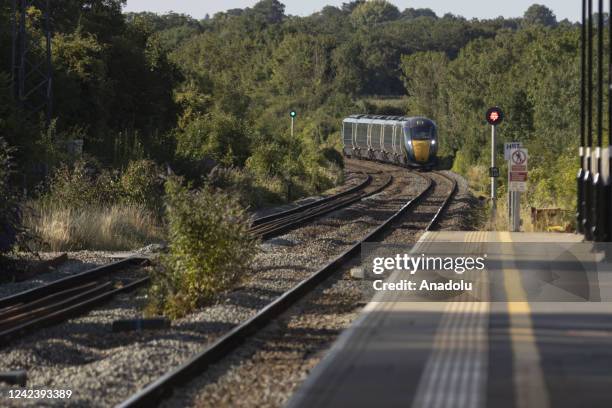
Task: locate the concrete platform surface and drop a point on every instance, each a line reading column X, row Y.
column 534, row 331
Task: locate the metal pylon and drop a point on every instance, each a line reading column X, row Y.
column 31, row 67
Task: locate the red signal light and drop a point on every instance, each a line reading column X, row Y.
column 495, row 116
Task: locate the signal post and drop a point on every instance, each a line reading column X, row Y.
column 495, row 116
column 293, row 115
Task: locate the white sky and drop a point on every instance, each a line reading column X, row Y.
column 467, row 8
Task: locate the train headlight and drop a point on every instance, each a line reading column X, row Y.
column 433, row 142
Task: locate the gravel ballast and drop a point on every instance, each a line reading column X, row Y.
column 104, row 368
column 271, row 366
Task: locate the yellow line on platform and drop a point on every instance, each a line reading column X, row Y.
column 529, row 385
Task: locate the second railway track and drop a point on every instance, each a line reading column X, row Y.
column 279, row 223
column 58, row 301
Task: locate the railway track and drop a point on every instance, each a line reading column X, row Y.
column 443, row 202
column 60, row 300
column 163, row 386
column 279, row 223
column 378, row 181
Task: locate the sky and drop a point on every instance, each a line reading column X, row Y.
column 569, row 9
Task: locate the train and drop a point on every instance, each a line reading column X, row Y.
column 400, row 140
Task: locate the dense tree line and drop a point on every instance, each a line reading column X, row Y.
column 534, row 75
column 187, row 92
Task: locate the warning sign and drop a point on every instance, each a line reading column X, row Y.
column 509, row 147
column 520, row 176
column 517, row 170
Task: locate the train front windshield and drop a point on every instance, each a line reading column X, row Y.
column 425, row 131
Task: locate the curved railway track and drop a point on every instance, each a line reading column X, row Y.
column 442, row 202
column 279, row 223
column 163, row 386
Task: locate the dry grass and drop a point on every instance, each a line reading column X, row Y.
column 502, row 221
column 119, row 227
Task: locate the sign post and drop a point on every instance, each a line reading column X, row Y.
column 517, row 184
column 508, row 147
column 495, row 116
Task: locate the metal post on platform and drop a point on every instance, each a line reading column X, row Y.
column 509, row 204
column 587, row 178
column 515, row 223
column 599, row 229
column 510, row 207
column 608, row 196
column 581, row 152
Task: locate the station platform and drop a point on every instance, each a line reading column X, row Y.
column 535, row 331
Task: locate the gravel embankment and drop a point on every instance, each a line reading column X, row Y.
column 270, row 367
column 103, row 368
column 465, row 212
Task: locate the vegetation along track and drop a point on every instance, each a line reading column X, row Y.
column 163, row 386
column 58, row 301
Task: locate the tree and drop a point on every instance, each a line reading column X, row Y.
column 331, row 12
column 540, row 15
column 424, row 75
column 272, row 11
column 102, row 18
column 374, row 12
column 349, row 7
column 411, row 13
column 300, row 66
column 216, row 135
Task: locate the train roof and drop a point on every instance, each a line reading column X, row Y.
column 383, row 119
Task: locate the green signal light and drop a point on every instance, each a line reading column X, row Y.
column 293, row 114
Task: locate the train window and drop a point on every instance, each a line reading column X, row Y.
column 422, row 132
column 388, row 138
column 348, row 132
column 375, row 135
column 362, row 135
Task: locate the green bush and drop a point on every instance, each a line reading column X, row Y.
column 82, row 185
column 142, row 185
column 243, row 184
column 209, row 248
column 215, row 135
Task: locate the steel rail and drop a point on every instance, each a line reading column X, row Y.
column 153, row 393
column 59, row 300
column 436, row 219
column 63, row 314
column 275, row 228
column 301, row 208
column 69, row 282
